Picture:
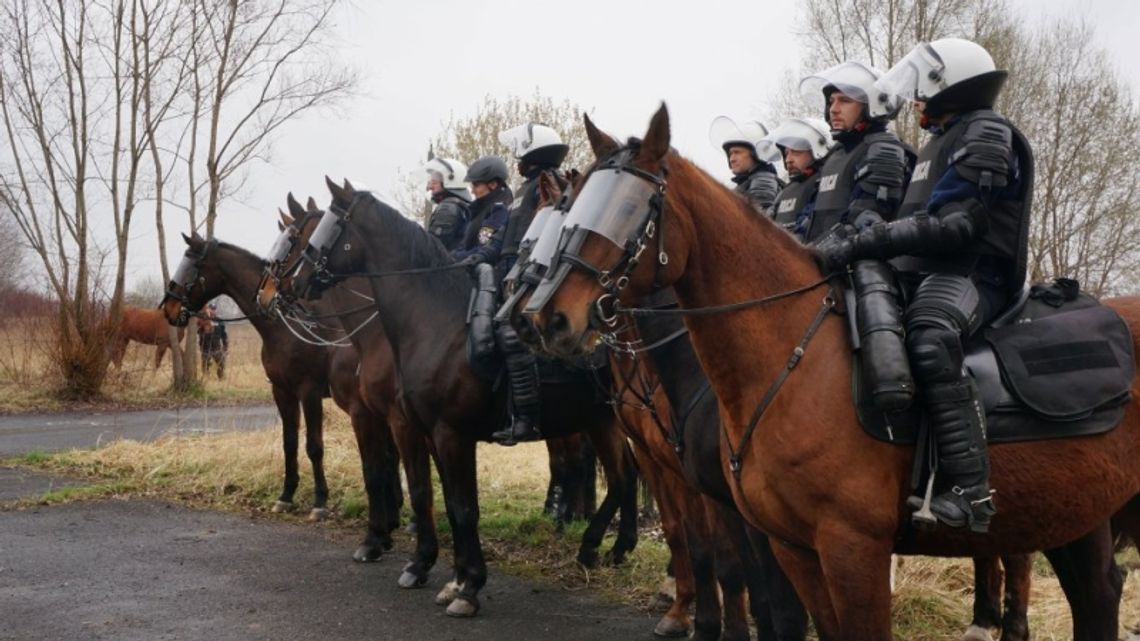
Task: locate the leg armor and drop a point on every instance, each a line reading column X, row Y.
column 885, row 368
column 945, row 309
column 522, row 374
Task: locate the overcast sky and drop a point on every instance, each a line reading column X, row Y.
column 422, row 61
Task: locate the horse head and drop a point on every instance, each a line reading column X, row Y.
column 194, row 283
column 282, row 255
column 619, row 212
column 319, row 248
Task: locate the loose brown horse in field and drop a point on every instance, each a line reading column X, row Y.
column 810, row 476
column 147, row 326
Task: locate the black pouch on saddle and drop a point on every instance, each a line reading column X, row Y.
column 1067, row 356
column 481, row 353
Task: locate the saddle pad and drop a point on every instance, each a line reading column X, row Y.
column 1065, row 366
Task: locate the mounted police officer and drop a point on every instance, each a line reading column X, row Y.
column 863, row 179
column 753, row 165
column 487, row 214
column 804, row 144
column 539, row 150
column 960, row 240
column 448, row 191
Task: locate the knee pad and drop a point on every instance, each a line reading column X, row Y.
column 935, row 353
column 945, row 300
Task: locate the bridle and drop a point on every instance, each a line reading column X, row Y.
column 187, row 276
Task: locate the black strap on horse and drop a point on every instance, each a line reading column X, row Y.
column 720, row 309
column 402, row 272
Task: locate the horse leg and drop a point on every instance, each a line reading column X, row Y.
column 729, row 569
column 159, row 352
column 417, row 470
column 562, row 485
column 394, row 497
column 675, row 622
column 315, row 448
column 1092, row 583
column 803, row 568
column 455, row 453
column 612, row 449
column 370, row 430
column 1015, row 621
column 287, row 407
column 987, row 599
column 776, row 608
column 857, row 570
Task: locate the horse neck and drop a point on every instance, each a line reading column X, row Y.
column 413, row 313
column 356, row 316
column 241, row 275
column 735, row 255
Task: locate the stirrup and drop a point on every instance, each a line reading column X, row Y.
column 923, row 518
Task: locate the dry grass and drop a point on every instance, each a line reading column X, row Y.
column 242, row 471
column 27, row 377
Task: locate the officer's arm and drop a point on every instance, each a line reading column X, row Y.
column 762, row 190
column 879, row 183
column 984, row 164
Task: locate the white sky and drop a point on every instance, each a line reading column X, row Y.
column 421, row 61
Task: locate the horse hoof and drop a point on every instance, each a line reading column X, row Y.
column 463, row 607
column 671, row 628
column 282, row 507
column 410, row 580
column 318, row 514
column 976, row 633
column 449, row 593
column 613, row 559
column 588, row 558
column 367, row 554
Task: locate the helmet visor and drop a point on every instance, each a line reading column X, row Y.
column 725, row 131
column 908, row 79
column 849, row 78
column 518, row 139
column 613, row 203
column 801, row 136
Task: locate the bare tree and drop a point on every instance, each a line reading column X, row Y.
column 473, row 137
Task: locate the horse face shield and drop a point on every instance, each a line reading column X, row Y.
column 182, row 283
column 267, row 289
column 316, row 253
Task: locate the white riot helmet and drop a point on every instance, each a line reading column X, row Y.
column 535, row 144
column 802, row 134
column 725, row 133
column 854, row 80
column 951, row 75
column 448, row 171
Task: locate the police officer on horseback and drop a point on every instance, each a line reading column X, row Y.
column 487, row 214
column 448, row 191
column 752, row 164
column 959, row 242
column 804, row 144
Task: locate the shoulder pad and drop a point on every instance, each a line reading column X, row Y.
column 884, row 165
column 985, row 152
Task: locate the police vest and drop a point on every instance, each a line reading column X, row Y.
column 837, row 180
column 1006, row 237
column 522, row 213
column 792, row 199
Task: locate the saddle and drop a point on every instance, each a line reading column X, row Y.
column 1055, row 364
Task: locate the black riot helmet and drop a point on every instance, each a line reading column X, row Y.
column 486, row 169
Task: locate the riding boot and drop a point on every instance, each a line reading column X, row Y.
column 522, row 376
column 957, row 421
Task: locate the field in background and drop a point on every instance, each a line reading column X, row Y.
column 27, row 378
column 242, row 472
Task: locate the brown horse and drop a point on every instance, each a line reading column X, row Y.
column 146, row 326
column 810, row 476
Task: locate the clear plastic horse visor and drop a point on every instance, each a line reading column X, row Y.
column 902, row 80
column 547, row 244
column 537, row 224
column 325, row 234
column 281, row 246
column 186, row 270
column 613, row 203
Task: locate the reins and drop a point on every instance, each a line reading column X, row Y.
column 719, row 309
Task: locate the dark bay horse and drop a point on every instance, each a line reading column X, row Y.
column 810, row 476
column 425, row 320
column 146, row 326
column 301, row 374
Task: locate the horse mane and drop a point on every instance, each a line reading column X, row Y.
column 423, row 250
column 245, row 253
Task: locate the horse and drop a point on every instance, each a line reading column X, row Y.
column 301, row 374
column 830, row 495
column 442, row 396
column 146, row 326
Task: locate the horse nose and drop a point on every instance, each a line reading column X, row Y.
column 526, row 330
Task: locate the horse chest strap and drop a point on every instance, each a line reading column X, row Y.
column 736, row 454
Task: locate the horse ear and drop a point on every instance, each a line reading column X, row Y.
column 286, row 219
column 295, row 208
column 602, row 144
column 311, row 205
column 185, row 238
column 336, row 191
column 349, row 188
column 656, row 143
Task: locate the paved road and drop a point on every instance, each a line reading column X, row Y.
column 53, row 432
column 149, row 571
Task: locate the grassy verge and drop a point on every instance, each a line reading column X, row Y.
column 27, row 379
column 241, row 472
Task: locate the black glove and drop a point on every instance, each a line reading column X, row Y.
column 836, row 249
